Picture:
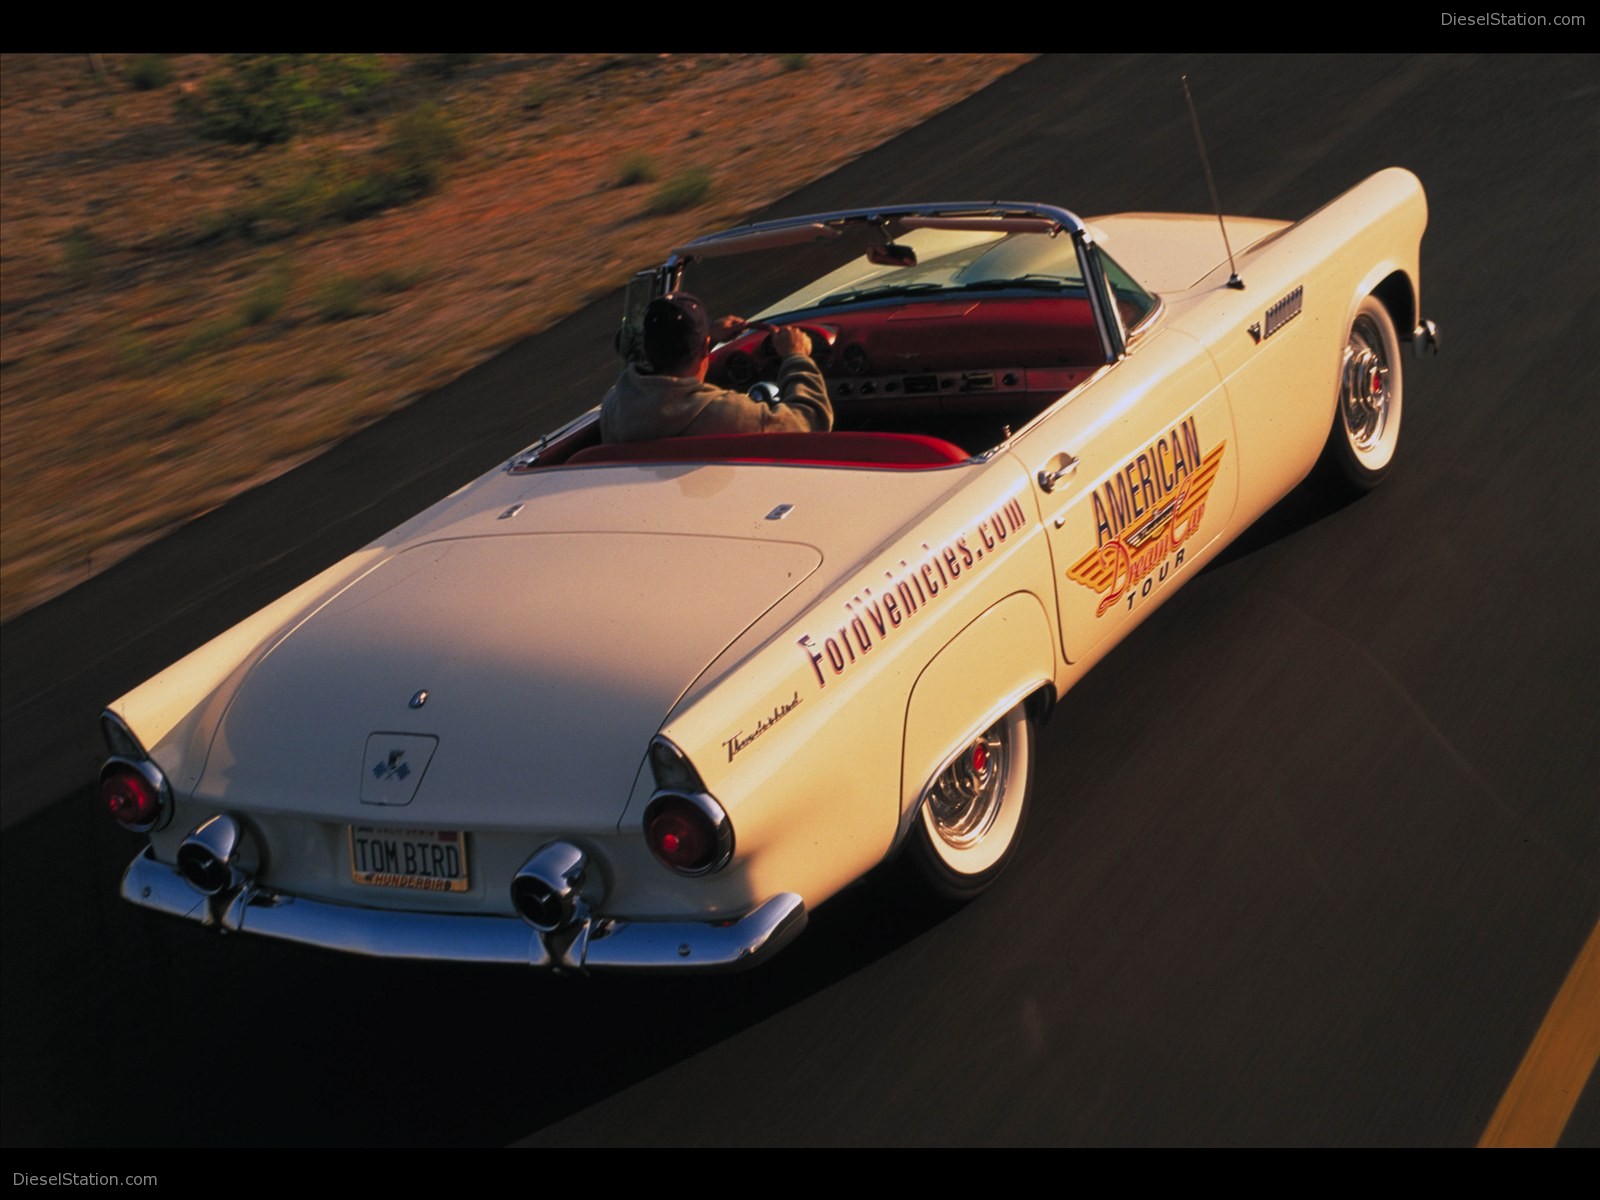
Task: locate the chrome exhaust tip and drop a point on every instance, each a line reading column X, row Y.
column 218, row 856
column 546, row 890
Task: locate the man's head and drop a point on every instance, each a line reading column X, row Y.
column 677, row 335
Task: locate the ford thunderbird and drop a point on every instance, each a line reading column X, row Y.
column 645, row 705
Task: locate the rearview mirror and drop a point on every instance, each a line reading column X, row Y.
column 892, row 254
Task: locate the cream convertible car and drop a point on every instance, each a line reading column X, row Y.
column 645, row 705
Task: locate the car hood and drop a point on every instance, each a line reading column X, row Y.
column 1172, row 252
column 470, row 681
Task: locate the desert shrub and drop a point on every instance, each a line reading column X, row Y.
column 636, row 61
column 683, row 191
column 132, row 353
column 313, row 194
column 207, row 336
column 298, row 198
column 349, row 195
column 442, row 66
column 263, row 99
column 196, row 408
column 351, row 83
column 259, row 100
column 636, row 168
column 399, row 279
column 266, row 299
column 340, row 297
column 536, row 95
column 237, row 221
column 420, row 143
column 146, row 72
column 794, row 62
column 80, row 255
column 331, row 186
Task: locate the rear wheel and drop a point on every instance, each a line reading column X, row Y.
column 1366, row 425
column 972, row 816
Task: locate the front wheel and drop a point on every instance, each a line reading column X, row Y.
column 972, row 816
column 1366, row 425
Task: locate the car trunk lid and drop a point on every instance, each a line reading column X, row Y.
column 519, row 678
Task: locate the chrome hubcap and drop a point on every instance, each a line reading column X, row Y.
column 1364, row 396
column 966, row 800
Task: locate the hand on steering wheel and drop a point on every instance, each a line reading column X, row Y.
column 789, row 340
column 725, row 329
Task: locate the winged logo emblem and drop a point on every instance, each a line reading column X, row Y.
column 1121, row 563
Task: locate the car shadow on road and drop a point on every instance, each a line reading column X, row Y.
column 1299, row 510
column 195, row 1039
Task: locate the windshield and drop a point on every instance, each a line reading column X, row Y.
column 947, row 261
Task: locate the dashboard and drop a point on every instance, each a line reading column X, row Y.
column 1006, row 357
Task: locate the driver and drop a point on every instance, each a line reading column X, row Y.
column 673, row 399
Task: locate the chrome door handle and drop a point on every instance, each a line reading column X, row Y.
column 1049, row 479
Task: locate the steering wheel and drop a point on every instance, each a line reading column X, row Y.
column 749, row 356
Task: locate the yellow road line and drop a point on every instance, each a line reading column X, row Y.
column 1536, row 1106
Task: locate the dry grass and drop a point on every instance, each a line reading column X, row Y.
column 155, row 362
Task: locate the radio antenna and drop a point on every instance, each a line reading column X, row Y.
column 1233, row 273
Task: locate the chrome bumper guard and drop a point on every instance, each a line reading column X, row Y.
column 598, row 944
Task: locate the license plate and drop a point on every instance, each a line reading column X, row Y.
column 427, row 860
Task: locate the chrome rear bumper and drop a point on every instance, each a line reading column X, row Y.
column 598, row 944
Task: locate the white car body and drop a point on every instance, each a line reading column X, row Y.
column 822, row 642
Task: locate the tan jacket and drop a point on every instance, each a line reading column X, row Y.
column 642, row 407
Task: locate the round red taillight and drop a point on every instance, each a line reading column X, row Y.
column 680, row 837
column 690, row 835
column 135, row 793
column 131, row 799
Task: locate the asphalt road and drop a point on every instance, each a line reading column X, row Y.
column 1311, row 854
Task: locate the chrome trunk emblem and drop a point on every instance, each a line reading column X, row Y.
column 393, row 765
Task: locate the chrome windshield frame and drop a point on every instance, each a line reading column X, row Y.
column 1108, row 321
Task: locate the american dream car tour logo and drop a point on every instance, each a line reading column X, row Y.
column 741, row 739
column 1145, row 513
column 909, row 590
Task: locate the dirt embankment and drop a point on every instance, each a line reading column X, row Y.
column 174, row 329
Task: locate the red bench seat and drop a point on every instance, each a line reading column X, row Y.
column 895, row 450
